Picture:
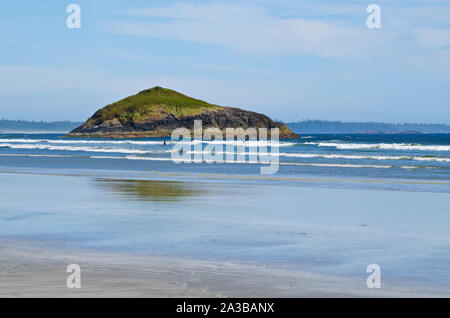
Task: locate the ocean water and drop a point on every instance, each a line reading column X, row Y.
column 423, row 157
column 337, row 204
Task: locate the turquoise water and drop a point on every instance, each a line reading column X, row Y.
column 335, row 218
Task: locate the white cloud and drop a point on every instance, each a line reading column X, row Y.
column 249, row 29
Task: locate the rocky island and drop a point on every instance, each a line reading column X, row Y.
column 157, row 111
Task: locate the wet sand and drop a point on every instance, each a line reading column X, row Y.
column 30, row 270
column 178, row 238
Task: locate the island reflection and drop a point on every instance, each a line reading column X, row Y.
column 151, row 190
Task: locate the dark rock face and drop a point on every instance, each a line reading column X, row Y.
column 220, row 118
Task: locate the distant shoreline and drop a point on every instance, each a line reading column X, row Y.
column 373, row 128
column 25, row 126
column 302, row 127
column 33, row 131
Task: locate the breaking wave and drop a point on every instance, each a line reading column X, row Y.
column 248, row 143
column 72, row 148
column 385, row 146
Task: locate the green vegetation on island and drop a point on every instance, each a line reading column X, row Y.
column 158, row 111
column 151, row 104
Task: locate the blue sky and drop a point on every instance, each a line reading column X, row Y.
column 291, row 60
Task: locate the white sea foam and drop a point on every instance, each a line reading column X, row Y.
column 282, row 154
column 432, row 159
column 336, row 165
column 72, row 148
column 362, row 157
column 82, row 141
column 135, row 157
column 394, row 146
column 39, row 156
column 248, row 143
column 259, row 162
column 326, row 156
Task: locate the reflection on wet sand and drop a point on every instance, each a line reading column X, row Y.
column 151, row 190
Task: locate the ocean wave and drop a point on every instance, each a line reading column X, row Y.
column 262, row 162
column 248, row 143
column 339, row 165
column 224, row 153
column 362, row 157
column 72, row 148
column 332, row 156
column 144, row 158
column 385, row 146
column 82, row 141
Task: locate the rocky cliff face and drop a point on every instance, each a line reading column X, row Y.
column 158, row 111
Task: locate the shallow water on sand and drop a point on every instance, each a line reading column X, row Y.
column 286, row 224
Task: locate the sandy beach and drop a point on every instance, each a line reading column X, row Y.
column 30, row 270
column 181, row 237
